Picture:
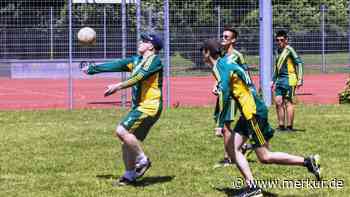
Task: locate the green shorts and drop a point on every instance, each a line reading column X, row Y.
column 228, row 114
column 287, row 93
column 257, row 129
column 139, row 123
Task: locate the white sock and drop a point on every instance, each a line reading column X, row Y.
column 130, row 174
column 141, row 158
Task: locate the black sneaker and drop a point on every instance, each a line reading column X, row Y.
column 123, row 181
column 290, row 129
column 251, row 192
column 313, row 165
column 281, row 128
column 142, row 168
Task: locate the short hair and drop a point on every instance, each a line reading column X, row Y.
column 282, row 33
column 213, row 46
column 231, row 29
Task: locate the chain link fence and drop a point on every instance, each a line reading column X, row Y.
column 34, row 35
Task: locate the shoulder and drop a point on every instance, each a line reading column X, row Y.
column 157, row 61
column 290, row 49
column 235, row 51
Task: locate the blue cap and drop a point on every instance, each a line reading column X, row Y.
column 154, row 39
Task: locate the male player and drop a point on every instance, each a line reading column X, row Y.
column 146, row 82
column 253, row 123
column 288, row 74
column 229, row 39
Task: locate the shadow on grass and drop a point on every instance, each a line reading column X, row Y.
column 143, row 182
column 153, row 180
column 235, row 192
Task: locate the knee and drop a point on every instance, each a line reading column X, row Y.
column 265, row 159
column 120, row 132
column 279, row 102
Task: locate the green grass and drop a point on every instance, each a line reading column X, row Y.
column 73, row 153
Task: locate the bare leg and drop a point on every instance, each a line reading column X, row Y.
column 227, row 135
column 267, row 157
column 132, row 145
column 241, row 161
column 229, row 143
column 290, row 113
column 280, row 110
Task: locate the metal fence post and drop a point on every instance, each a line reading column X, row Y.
column 104, row 33
column 150, row 13
column 323, row 69
column 138, row 19
column 219, row 21
column 123, row 92
column 51, row 33
column 265, row 51
column 70, row 70
column 167, row 50
column 349, row 30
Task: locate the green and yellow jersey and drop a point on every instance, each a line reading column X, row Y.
column 234, row 82
column 237, row 58
column 146, row 80
column 288, row 69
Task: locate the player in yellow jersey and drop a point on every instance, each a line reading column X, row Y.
column 233, row 82
column 288, row 75
column 229, row 39
column 146, row 81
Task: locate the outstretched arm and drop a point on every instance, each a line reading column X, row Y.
column 142, row 74
column 123, row 65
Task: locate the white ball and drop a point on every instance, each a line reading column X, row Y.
column 87, row 35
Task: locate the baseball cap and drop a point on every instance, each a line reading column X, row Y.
column 154, row 39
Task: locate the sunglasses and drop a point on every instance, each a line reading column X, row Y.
column 226, row 37
column 280, row 39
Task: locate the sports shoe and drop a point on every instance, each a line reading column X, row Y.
column 218, row 132
column 223, row 163
column 142, row 168
column 123, row 181
column 281, row 128
column 251, row 192
column 313, row 165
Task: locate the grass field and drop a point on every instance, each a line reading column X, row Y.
column 73, row 153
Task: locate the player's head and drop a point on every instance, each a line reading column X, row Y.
column 150, row 42
column 229, row 36
column 211, row 50
column 282, row 39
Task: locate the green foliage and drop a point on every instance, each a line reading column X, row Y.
column 344, row 96
column 303, row 16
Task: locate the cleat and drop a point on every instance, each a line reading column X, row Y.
column 142, row 168
column 123, row 181
column 223, row 163
column 251, row 192
column 314, row 166
column 218, row 132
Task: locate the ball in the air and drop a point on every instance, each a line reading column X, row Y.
column 87, row 35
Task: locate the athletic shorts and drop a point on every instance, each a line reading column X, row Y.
column 257, row 129
column 287, row 93
column 139, row 123
column 228, row 113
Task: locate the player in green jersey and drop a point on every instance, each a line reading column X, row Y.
column 288, row 75
column 229, row 39
column 146, row 81
column 253, row 123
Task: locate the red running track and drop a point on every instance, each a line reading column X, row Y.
column 23, row 94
